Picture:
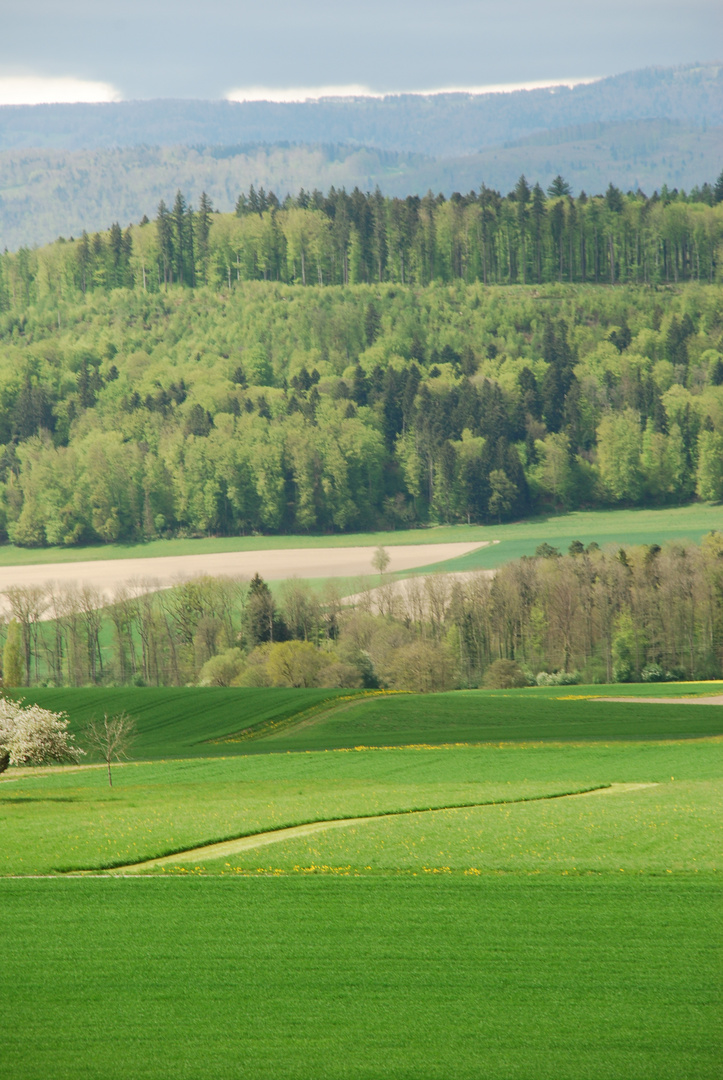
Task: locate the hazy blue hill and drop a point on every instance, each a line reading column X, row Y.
column 440, row 125
column 65, row 168
column 46, row 193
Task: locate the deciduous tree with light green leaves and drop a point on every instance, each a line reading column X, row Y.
column 619, row 444
column 709, row 479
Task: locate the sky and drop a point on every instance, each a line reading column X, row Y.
column 101, row 50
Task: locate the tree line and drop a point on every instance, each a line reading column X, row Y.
column 586, row 615
column 529, row 236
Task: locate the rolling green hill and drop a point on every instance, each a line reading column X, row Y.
column 221, row 721
column 185, row 722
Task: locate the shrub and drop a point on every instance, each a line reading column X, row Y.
column 221, row 670
column 622, row 671
column 557, row 678
column 504, row 675
column 422, row 666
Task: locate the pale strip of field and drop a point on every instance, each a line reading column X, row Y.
column 273, row 565
column 414, row 595
column 257, row 840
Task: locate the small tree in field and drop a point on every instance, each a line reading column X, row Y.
column 30, row 735
column 380, row 559
column 111, row 738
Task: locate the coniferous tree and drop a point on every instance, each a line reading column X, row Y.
column 718, row 189
column 164, row 228
column 203, row 232
column 522, row 199
column 178, row 218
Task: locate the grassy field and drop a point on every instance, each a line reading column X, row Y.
column 191, row 722
column 486, row 929
column 644, row 526
column 553, row 978
column 464, row 716
column 72, row 820
column 10, row 555
column 621, row 527
column 187, row 721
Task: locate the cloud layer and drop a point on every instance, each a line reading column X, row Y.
column 316, row 93
column 42, row 90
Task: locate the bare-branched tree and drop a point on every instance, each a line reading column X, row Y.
column 111, row 738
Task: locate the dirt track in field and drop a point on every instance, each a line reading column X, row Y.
column 153, row 573
column 262, row 839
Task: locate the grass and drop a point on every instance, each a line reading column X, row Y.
column 463, row 716
column 322, row 978
column 10, row 555
column 670, row 828
column 73, row 820
column 191, row 722
column 185, row 721
column 620, row 527
column 553, row 938
column 635, row 526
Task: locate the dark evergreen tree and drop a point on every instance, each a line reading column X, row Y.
column 262, row 621
column 164, row 229
column 559, row 188
column 718, row 189
column 203, row 232
column 179, row 237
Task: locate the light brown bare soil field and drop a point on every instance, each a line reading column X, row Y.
column 272, row 565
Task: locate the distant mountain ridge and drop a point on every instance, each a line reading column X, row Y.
column 442, row 125
column 66, row 168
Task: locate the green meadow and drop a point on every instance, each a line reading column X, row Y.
column 536, row 892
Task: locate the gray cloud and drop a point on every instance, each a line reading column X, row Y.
column 191, row 49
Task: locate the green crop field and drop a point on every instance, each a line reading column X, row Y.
column 480, row 716
column 505, row 920
column 620, row 527
column 10, row 555
column 553, row 978
column 216, row 721
column 186, row 721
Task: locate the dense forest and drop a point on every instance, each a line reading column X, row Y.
column 585, row 615
column 381, row 375
column 529, row 236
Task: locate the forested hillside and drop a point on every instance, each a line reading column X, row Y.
column 380, row 375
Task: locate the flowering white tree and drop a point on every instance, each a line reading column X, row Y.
column 30, row 735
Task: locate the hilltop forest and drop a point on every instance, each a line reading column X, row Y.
column 349, row 361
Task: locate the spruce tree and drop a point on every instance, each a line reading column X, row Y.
column 718, row 189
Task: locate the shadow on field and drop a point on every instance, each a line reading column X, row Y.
column 35, row 798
